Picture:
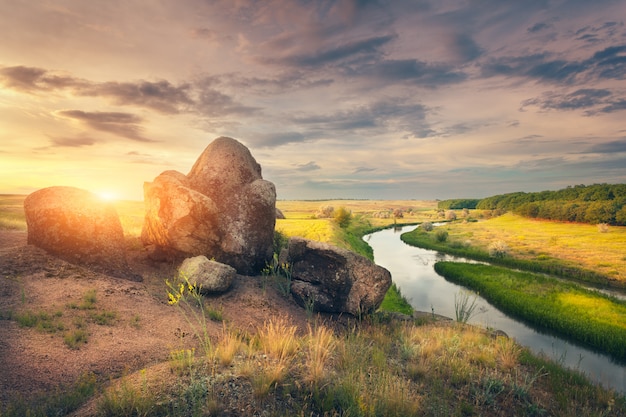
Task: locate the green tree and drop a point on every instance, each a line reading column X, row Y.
column 343, row 216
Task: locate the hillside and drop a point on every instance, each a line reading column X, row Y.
column 74, row 339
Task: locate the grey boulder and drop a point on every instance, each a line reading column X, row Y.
column 209, row 276
column 78, row 227
column 333, row 279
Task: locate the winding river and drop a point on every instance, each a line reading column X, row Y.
column 412, row 271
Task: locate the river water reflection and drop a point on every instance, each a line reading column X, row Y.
column 412, row 271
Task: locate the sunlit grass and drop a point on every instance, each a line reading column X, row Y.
column 12, row 212
column 585, row 316
column 278, row 339
column 322, row 230
column 579, row 244
column 319, row 349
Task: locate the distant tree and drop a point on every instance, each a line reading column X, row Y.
column 343, row 216
column 620, row 216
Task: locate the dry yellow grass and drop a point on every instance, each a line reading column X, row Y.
column 300, row 215
column 321, row 343
column 580, row 244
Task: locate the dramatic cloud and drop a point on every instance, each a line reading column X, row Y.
column 359, row 170
column 72, row 142
column 160, row 96
column 579, row 99
column 30, row 79
column 618, row 146
column 538, row 27
column 382, row 116
column 310, row 166
column 466, row 48
column 121, row 124
column 345, row 55
column 609, row 63
column 350, row 98
column 595, row 34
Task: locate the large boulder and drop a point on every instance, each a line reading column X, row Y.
column 209, row 276
column 222, row 209
column 76, row 226
column 334, row 280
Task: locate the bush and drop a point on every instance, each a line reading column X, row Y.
column 325, row 212
column 427, row 226
column 450, row 215
column 343, row 216
column 498, row 249
column 441, row 235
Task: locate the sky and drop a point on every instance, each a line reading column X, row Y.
column 367, row 99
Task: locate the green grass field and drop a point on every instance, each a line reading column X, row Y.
column 585, row 316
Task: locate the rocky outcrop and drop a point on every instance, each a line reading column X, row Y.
column 209, row 276
column 334, row 280
column 78, row 227
column 222, row 209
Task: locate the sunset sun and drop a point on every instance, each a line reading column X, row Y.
column 107, row 195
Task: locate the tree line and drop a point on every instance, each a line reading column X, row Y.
column 597, row 203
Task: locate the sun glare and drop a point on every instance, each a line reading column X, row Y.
column 106, row 195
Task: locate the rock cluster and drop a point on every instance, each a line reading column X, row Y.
column 334, row 280
column 76, row 226
column 223, row 209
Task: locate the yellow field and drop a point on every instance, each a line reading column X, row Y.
column 582, row 244
column 300, row 215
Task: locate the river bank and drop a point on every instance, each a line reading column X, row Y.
column 413, row 272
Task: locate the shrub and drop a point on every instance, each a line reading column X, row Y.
column 450, row 215
column 498, row 249
column 441, row 235
column 427, row 226
column 343, row 216
column 325, row 212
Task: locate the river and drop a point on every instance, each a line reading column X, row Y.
column 412, row 271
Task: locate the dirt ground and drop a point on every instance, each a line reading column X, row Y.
column 143, row 332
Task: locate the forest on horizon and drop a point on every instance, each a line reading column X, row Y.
column 593, row 204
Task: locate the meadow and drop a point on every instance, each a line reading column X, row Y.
column 372, row 366
column 571, row 250
column 588, row 317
